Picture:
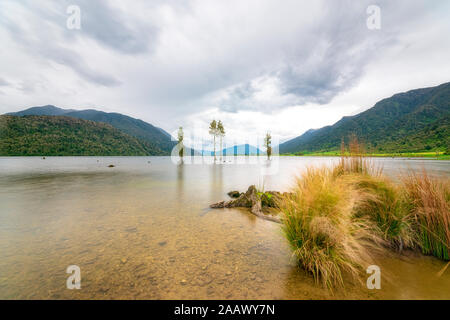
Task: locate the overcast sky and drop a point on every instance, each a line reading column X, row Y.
column 283, row 66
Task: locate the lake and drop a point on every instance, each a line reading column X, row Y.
column 143, row 230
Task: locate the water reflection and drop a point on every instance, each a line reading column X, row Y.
column 216, row 179
column 180, row 181
column 137, row 231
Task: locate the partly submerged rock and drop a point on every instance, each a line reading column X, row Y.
column 234, row 194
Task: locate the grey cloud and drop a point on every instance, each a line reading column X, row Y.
column 188, row 57
column 74, row 61
column 99, row 21
column 111, row 28
column 4, row 83
column 330, row 61
column 37, row 44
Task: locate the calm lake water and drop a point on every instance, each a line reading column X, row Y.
column 143, row 230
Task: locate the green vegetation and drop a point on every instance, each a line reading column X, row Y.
column 65, row 136
column 335, row 217
column 221, row 134
column 268, row 145
column 428, row 200
column 381, row 202
column 213, row 131
column 216, row 129
column 431, row 155
column 180, row 143
column 319, row 225
column 413, row 122
column 158, row 141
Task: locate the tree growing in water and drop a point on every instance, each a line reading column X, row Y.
column 268, row 144
column 221, row 134
column 213, row 131
column 180, row 143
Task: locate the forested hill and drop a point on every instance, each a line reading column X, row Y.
column 413, row 121
column 65, row 136
column 159, row 139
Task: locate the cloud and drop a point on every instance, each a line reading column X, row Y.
column 253, row 63
column 31, row 26
column 109, row 26
column 4, row 83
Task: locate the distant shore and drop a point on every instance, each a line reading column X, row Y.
column 417, row 156
column 426, row 155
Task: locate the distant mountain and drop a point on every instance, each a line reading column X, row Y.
column 65, row 136
column 42, row 111
column 242, row 149
column 413, row 121
column 159, row 140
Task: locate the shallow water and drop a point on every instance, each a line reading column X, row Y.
column 143, row 230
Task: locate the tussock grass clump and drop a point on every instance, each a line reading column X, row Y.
column 354, row 160
column 335, row 216
column 381, row 201
column 318, row 223
column 428, row 200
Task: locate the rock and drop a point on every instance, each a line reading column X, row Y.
column 234, row 194
column 254, row 200
column 162, row 243
column 183, row 282
column 124, row 260
column 220, row 204
column 270, row 198
column 244, row 200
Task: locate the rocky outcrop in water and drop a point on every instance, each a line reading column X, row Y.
column 254, row 200
column 234, row 194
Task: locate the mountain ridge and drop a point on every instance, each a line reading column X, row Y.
column 159, row 139
column 41, row 135
column 397, row 118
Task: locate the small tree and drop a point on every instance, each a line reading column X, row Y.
column 180, row 143
column 268, row 145
column 221, row 134
column 213, row 132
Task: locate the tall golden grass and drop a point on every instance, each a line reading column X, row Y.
column 335, row 217
column 318, row 223
column 382, row 202
column 428, row 200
